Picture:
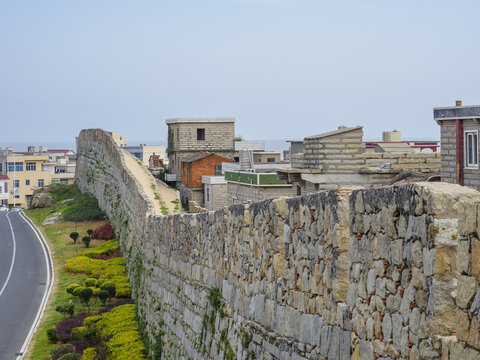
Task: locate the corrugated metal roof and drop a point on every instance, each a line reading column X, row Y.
column 195, row 157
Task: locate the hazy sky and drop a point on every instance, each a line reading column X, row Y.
column 283, row 68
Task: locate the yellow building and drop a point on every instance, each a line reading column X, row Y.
column 25, row 175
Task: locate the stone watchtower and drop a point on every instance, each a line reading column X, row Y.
column 188, row 136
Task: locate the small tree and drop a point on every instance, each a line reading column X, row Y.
column 90, row 232
column 85, row 295
column 74, row 236
column 111, row 291
column 103, row 295
column 66, row 309
column 86, row 240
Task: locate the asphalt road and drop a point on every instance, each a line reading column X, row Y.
column 24, row 278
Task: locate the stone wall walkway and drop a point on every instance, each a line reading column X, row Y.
column 150, row 185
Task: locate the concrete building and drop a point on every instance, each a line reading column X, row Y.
column 4, row 190
column 25, row 172
column 392, row 142
column 188, row 136
column 121, row 141
column 193, row 168
column 245, row 187
column 267, row 157
column 296, row 147
column 459, row 126
column 254, row 146
column 215, row 192
column 338, row 158
column 143, row 152
column 61, row 164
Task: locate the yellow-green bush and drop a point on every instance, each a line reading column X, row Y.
column 105, row 248
column 120, row 327
column 112, row 270
column 89, row 354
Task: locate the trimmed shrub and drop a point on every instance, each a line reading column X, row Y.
column 74, row 236
column 76, row 291
column 103, row 295
column 86, row 240
column 61, row 350
column 77, row 333
column 85, row 295
column 90, row 282
column 106, row 248
column 104, row 232
column 71, row 356
column 89, row 354
column 121, row 328
column 72, row 287
column 110, row 288
column 52, row 336
column 111, row 270
column 66, row 309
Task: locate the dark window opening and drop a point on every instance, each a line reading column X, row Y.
column 200, row 134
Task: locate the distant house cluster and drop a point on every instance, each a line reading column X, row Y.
column 21, row 173
column 212, row 168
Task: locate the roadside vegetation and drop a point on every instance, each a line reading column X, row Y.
column 90, row 314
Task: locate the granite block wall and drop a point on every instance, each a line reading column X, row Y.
column 384, row 273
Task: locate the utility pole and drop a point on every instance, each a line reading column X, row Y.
column 14, row 178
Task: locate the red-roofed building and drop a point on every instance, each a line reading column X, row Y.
column 193, row 168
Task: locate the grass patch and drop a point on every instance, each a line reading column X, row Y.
column 82, row 207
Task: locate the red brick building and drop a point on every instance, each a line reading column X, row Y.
column 203, row 163
column 193, row 167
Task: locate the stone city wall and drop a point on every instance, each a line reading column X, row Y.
column 387, row 273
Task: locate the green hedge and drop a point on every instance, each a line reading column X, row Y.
column 105, row 248
column 113, row 270
column 120, row 327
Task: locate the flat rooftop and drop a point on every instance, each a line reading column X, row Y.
column 456, row 112
column 200, row 120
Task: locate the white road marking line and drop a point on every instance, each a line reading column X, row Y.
column 50, row 275
column 13, row 257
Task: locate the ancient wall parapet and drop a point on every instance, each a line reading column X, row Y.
column 389, row 272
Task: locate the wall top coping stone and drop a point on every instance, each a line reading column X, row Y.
column 335, row 132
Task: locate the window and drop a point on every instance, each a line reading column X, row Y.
column 17, row 166
column 1, row 167
column 218, row 169
column 208, row 194
column 200, row 134
column 41, row 183
column 270, row 160
column 31, row 166
column 27, row 182
column 16, row 183
column 471, row 149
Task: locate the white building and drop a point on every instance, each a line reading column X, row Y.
column 61, row 163
column 4, row 189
